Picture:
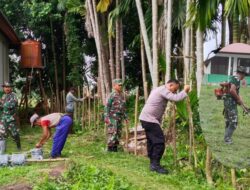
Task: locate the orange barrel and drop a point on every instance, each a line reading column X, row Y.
column 31, row 56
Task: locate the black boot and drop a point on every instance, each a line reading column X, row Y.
column 228, row 135
column 110, row 149
column 18, row 142
column 156, row 167
column 115, row 149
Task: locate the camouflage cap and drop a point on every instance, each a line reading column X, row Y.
column 7, row 84
column 117, row 81
column 242, row 69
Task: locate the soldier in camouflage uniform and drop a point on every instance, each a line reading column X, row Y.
column 231, row 99
column 115, row 113
column 8, row 105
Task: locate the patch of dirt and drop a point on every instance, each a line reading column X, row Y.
column 56, row 171
column 20, row 186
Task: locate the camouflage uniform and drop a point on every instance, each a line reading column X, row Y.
column 8, row 105
column 115, row 113
column 230, row 110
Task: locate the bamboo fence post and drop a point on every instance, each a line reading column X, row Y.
column 89, row 108
column 127, row 125
column 174, row 135
column 78, row 104
column 64, row 100
column 191, row 134
column 209, row 166
column 83, row 110
column 136, row 119
column 94, row 110
column 75, row 112
column 98, row 112
column 61, row 102
column 233, row 177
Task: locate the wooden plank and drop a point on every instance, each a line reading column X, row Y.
column 48, row 160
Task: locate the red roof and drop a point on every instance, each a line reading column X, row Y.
column 236, row 48
column 8, row 31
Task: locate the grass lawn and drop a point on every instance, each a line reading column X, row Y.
column 89, row 149
column 236, row 155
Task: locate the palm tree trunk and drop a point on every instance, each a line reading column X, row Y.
column 248, row 28
column 95, row 26
column 121, row 52
column 243, row 31
column 117, row 46
column 193, row 60
column 64, row 56
column 55, row 64
column 235, row 27
column 111, row 58
column 155, row 78
column 223, row 25
column 145, row 36
column 187, row 46
column 199, row 59
column 143, row 63
column 168, row 29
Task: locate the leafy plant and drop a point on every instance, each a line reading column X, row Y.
column 81, row 176
column 182, row 113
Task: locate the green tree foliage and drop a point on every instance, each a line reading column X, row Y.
column 74, row 50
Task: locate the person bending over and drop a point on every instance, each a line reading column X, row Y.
column 151, row 117
column 62, row 124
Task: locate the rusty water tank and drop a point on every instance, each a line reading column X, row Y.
column 31, row 56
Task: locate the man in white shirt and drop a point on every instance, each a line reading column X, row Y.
column 61, row 122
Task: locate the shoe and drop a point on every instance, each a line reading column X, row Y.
column 115, row 148
column 157, row 168
column 110, row 149
column 229, row 142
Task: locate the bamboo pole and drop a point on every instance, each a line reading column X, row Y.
column 94, row 110
column 136, row 119
column 143, row 66
column 48, row 160
column 209, row 166
column 61, row 101
column 174, row 135
column 233, row 177
column 89, row 108
column 83, row 110
column 64, row 100
column 75, row 112
column 78, row 105
column 127, row 125
column 191, row 134
column 98, row 112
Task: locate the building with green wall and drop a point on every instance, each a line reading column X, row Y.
column 224, row 64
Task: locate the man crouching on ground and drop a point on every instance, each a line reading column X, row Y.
column 151, row 117
column 61, row 122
